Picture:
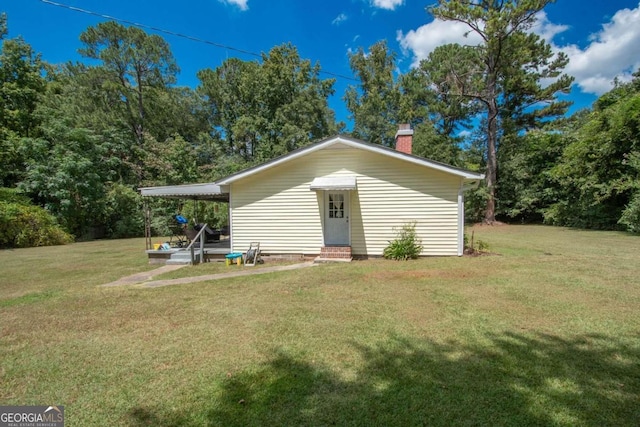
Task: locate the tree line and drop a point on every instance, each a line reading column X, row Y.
column 78, row 139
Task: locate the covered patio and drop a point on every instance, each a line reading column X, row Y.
column 184, row 253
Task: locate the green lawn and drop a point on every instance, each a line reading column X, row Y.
column 544, row 332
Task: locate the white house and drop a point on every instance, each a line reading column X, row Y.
column 340, row 197
column 343, row 197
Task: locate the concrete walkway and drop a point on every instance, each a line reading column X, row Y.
column 143, row 280
column 144, row 276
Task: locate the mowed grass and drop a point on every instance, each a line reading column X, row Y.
column 544, row 332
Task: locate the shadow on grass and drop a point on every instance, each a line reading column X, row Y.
column 510, row 380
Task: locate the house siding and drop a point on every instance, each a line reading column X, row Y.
column 276, row 207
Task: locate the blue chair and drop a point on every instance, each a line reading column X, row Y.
column 178, row 228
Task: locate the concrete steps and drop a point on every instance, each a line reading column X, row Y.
column 182, row 257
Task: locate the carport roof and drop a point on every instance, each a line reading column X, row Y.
column 206, row 191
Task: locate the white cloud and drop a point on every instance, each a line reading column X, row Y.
column 545, row 28
column 436, row 33
column 242, row 4
column 387, row 4
column 339, row 19
column 612, row 52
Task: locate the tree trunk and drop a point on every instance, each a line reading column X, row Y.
column 492, row 137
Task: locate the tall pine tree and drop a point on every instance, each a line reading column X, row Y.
column 507, row 74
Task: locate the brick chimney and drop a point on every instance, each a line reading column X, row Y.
column 404, row 138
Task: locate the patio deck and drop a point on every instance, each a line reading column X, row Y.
column 212, row 252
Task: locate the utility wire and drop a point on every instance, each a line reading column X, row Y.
column 173, row 33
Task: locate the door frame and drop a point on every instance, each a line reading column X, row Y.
column 347, row 217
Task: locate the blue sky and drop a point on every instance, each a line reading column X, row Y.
column 601, row 37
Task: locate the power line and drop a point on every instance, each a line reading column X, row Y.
column 175, row 34
column 149, row 27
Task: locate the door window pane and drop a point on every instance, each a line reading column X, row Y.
column 336, row 205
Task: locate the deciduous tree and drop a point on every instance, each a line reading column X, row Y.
column 261, row 110
column 21, row 85
column 599, row 170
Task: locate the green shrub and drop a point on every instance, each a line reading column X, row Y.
column 631, row 215
column 11, row 195
column 125, row 218
column 23, row 225
column 475, row 203
column 406, row 246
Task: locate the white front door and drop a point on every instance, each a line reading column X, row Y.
column 336, row 221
